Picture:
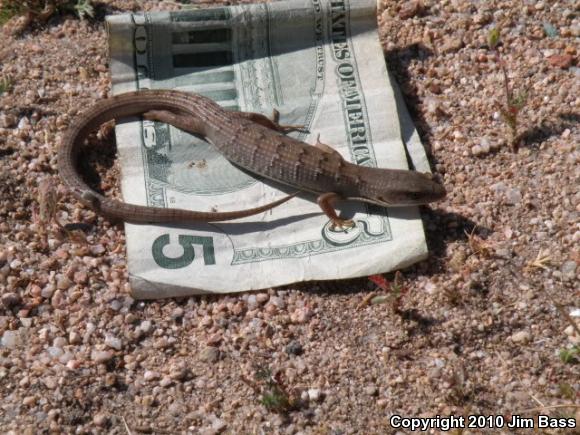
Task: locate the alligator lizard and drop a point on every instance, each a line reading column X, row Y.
column 251, row 141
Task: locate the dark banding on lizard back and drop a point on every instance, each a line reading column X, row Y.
column 340, row 164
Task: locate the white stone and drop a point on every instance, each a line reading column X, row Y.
column 149, row 375
column 55, row 352
column 114, row 342
column 11, row 339
column 145, row 326
column 521, row 337
column 314, row 394
column 59, row 342
column 513, row 196
column 101, row 356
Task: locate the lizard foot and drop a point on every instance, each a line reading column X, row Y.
column 345, row 224
column 285, row 128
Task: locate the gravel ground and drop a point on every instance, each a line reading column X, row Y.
column 479, row 331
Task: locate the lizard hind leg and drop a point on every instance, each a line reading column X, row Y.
column 272, row 123
column 325, row 147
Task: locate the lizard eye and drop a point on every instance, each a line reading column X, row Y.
column 414, row 195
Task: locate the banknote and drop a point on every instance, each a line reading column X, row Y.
column 320, row 64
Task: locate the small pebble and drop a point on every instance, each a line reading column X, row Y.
column 262, row 298
column 252, row 302
column 149, row 375
column 145, row 326
column 100, row 420
column 63, row 283
column 101, row 356
column 66, row 357
column 47, row 291
column 178, row 373
column 177, row 313
column 476, row 150
column 568, row 269
column 521, row 337
column 371, row 390
column 410, row 9
column 8, row 120
column 148, row 400
column 113, row 342
column 15, row 264
column 55, row 352
column 210, row 354
column 166, row 381
column 29, row 401
column 50, row 382
column 218, row 425
column 485, row 145
column 513, row 196
column 97, row 249
column 11, row 299
column 451, row 44
column 563, row 61
column 11, row 339
column 572, row 334
column 314, row 394
column 73, row 364
column 59, row 342
column 278, row 302
column 26, row 322
column 294, row 348
column 74, row 337
column 301, row 315
column 57, row 300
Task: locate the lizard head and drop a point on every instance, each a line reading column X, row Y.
column 403, row 188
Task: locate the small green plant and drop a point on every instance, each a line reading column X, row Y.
column 566, row 390
column 82, row 8
column 5, row 84
column 550, row 30
column 40, row 11
column 10, row 9
column 514, row 101
column 396, row 291
column 275, row 400
column 274, row 394
column 571, row 355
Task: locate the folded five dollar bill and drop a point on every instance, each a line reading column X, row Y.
column 320, row 64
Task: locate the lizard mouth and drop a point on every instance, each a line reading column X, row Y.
column 407, row 199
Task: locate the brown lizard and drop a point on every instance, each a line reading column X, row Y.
column 251, row 141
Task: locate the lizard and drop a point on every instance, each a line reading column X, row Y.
column 251, row 141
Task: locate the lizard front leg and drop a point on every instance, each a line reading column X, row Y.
column 326, row 203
